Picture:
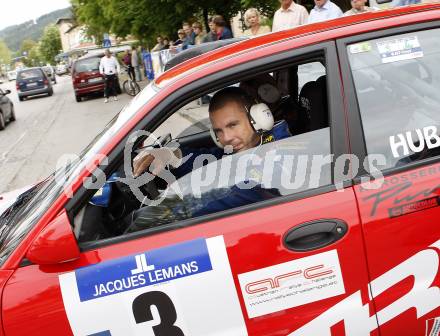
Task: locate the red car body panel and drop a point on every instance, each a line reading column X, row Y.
column 400, row 219
column 361, row 251
column 263, row 228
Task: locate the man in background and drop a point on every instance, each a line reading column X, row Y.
column 289, row 15
column 109, row 68
column 357, row 7
column 324, row 10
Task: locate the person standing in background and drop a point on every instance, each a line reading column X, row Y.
column 190, row 36
column 109, row 68
column 135, row 63
column 197, row 28
column 324, row 10
column 289, row 15
column 252, row 20
column 357, row 7
column 223, row 32
column 159, row 44
column 211, row 35
column 127, row 61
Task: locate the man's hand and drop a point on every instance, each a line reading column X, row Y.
column 157, row 159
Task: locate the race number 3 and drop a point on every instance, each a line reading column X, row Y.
column 167, row 312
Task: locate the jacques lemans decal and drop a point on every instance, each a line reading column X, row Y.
column 184, row 289
column 424, row 297
column 132, row 272
column 292, row 284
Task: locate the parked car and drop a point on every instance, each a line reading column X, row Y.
column 7, row 112
column 86, row 78
column 61, row 69
column 342, row 240
column 12, row 75
column 31, row 82
column 50, row 72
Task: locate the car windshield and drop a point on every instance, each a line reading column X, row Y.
column 36, row 201
column 87, row 64
column 31, row 73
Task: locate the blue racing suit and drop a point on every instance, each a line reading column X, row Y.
column 215, row 199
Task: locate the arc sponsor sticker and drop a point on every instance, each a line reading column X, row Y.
column 292, row 284
column 183, row 289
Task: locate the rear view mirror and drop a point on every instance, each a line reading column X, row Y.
column 55, row 244
column 7, row 91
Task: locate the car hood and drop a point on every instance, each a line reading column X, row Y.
column 8, row 198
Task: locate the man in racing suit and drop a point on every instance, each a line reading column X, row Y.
column 237, row 126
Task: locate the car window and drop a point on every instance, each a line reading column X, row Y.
column 309, row 72
column 31, row 73
column 291, row 157
column 87, row 64
column 397, row 82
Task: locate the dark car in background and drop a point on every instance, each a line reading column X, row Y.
column 31, row 82
column 6, row 109
column 50, row 72
column 86, row 78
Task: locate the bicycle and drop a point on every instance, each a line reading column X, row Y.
column 129, row 86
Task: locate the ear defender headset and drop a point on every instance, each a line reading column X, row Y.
column 260, row 118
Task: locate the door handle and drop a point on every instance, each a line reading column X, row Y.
column 314, row 235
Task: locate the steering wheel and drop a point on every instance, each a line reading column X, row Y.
column 151, row 188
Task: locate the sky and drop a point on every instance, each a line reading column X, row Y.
column 18, row 11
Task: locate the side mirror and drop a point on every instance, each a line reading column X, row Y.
column 7, row 92
column 55, row 244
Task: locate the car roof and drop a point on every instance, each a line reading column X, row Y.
column 331, row 29
column 26, row 69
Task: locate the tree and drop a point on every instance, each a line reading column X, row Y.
column 5, row 53
column 34, row 57
column 50, row 44
column 25, row 48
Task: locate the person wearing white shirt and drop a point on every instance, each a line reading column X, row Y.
column 290, row 15
column 109, row 68
column 324, row 10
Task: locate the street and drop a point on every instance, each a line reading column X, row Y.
column 46, row 128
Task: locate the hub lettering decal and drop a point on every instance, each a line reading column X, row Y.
column 292, row 284
column 183, row 289
column 427, row 138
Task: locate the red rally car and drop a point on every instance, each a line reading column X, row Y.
column 344, row 240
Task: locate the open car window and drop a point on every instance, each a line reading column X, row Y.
column 293, row 156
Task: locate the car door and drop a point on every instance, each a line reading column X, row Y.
column 395, row 107
column 289, row 265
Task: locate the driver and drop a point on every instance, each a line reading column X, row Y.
column 237, row 125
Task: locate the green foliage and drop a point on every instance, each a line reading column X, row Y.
column 34, row 57
column 50, row 44
column 145, row 19
column 5, row 53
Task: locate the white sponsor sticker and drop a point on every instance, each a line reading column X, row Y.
column 292, row 284
column 400, row 49
column 183, row 289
